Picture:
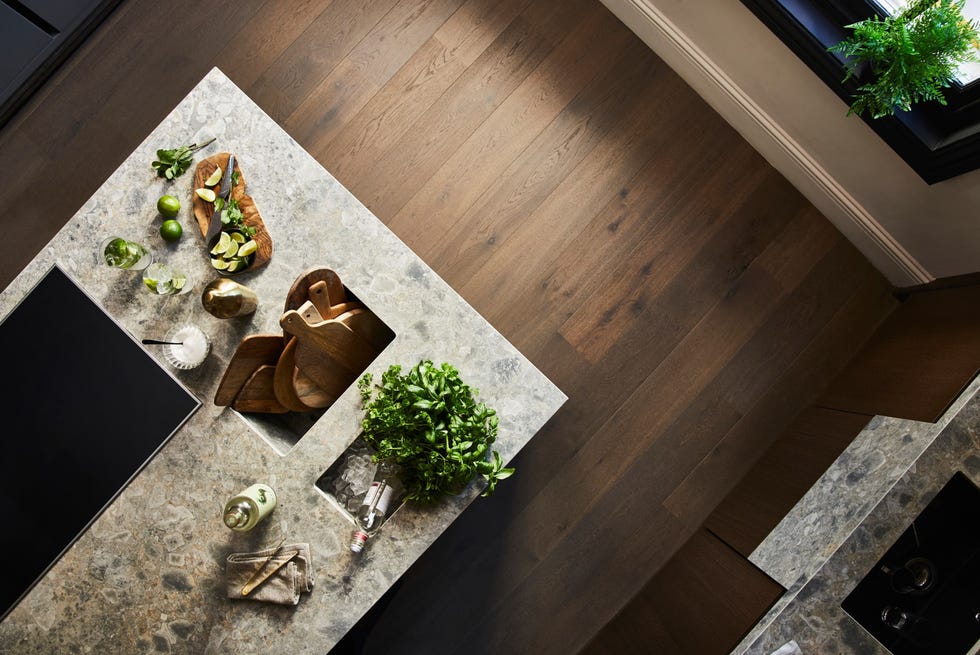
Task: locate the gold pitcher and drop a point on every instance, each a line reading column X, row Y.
column 226, row 299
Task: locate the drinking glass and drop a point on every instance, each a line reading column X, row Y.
column 121, row 253
column 163, row 280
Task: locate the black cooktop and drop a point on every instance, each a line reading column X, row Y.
column 85, row 408
column 923, row 595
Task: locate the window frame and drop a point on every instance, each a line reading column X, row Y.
column 938, row 142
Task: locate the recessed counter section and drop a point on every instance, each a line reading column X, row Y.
column 148, row 574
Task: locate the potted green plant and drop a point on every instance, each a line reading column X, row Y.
column 912, row 56
column 428, row 422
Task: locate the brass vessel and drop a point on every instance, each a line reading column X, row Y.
column 225, row 298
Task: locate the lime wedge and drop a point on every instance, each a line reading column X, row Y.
column 219, row 264
column 207, row 195
column 179, row 281
column 238, row 236
column 236, row 265
column 215, row 177
column 150, row 283
column 232, row 248
column 223, row 242
column 247, row 249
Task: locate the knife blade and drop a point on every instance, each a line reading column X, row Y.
column 214, row 226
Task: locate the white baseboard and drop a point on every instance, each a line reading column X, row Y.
column 867, row 234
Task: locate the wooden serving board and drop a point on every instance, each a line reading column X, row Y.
column 203, row 210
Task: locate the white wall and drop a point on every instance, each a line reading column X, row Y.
column 911, row 231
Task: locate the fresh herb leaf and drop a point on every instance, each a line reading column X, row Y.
column 174, row 162
column 235, row 177
column 429, row 422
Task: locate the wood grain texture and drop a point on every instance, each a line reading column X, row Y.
column 699, row 604
column 688, row 301
column 920, row 361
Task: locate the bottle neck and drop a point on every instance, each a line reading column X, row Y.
column 237, row 516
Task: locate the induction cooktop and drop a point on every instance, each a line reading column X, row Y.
column 85, row 408
column 923, row 596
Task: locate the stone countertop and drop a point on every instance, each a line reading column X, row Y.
column 148, row 575
column 851, row 516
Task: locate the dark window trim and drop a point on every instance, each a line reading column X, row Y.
column 937, row 142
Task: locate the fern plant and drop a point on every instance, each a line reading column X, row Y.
column 913, row 55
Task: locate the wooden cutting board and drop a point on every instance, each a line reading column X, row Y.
column 254, row 351
column 258, row 394
column 203, row 210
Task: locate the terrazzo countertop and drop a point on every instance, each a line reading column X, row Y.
column 148, row 575
column 850, row 517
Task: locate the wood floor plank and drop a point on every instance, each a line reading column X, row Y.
column 650, row 213
column 356, row 154
column 778, row 480
column 920, row 361
column 391, row 172
column 711, row 480
column 314, row 54
column 264, row 38
column 707, row 584
column 603, row 179
column 490, row 149
column 361, row 74
column 544, row 165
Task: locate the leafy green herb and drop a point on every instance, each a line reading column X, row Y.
column 232, row 216
column 235, row 177
column 172, row 163
column 912, row 56
column 429, row 422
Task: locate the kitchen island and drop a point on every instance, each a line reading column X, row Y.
column 148, row 574
column 849, row 519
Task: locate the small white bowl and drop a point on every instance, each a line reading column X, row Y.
column 193, row 350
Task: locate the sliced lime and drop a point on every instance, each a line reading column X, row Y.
column 207, row 195
column 247, row 249
column 179, row 281
column 231, row 250
column 219, row 264
column 236, row 265
column 215, row 177
column 223, row 242
column 238, row 236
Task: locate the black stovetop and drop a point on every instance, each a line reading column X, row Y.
column 85, row 408
column 923, row 596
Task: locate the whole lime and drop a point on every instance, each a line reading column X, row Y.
column 168, row 206
column 171, row 230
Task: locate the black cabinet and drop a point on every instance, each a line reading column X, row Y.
column 37, row 35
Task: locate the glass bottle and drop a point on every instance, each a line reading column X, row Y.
column 381, row 498
column 244, row 511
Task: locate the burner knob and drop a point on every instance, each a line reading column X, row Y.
column 894, row 617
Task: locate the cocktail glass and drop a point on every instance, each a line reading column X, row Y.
column 121, row 253
column 164, row 280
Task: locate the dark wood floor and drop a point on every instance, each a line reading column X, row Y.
column 560, row 176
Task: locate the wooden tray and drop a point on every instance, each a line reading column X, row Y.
column 203, row 210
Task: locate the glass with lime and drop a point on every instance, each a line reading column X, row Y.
column 163, row 280
column 121, row 253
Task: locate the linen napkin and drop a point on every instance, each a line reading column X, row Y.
column 284, row 586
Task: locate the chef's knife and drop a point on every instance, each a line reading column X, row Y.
column 214, row 227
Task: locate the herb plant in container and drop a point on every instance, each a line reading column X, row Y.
column 912, row 56
column 429, row 423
